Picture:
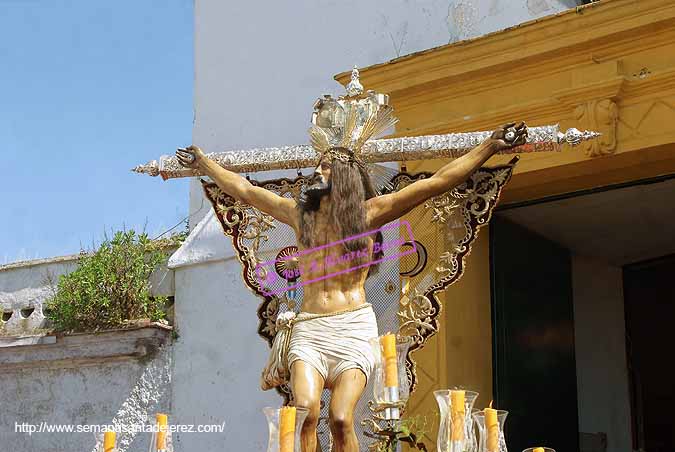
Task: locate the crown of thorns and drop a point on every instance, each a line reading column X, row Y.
column 344, row 155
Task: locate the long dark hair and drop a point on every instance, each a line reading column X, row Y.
column 350, row 188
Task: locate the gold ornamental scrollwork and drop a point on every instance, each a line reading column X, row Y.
column 416, row 317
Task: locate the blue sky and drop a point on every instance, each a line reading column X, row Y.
column 89, row 89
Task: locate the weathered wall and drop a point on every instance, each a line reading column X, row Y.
column 468, row 19
column 25, row 288
column 113, row 378
column 218, row 359
column 116, row 377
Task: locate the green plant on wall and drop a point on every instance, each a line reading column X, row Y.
column 110, row 286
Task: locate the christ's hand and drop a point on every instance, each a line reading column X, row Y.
column 508, row 136
column 385, row 208
column 191, row 156
column 283, row 209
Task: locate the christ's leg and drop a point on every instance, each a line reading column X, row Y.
column 347, row 390
column 307, row 385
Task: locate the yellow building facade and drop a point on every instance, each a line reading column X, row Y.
column 608, row 66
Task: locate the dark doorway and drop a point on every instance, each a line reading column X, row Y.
column 533, row 338
column 649, row 297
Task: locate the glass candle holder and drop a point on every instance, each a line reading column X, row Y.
column 454, row 434
column 473, row 430
column 161, row 440
column 280, row 438
column 491, row 431
column 390, row 378
column 539, row 449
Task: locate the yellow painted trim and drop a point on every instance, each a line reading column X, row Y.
column 607, row 66
column 560, row 38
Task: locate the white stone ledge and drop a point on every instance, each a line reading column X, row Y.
column 82, row 349
column 18, row 341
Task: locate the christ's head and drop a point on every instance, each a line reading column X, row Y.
column 316, row 194
column 339, row 190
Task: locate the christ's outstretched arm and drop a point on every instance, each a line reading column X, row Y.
column 283, row 209
column 383, row 209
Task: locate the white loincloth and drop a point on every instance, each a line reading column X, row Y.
column 335, row 343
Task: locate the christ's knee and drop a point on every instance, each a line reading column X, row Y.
column 341, row 423
column 314, row 407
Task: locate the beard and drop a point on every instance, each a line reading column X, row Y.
column 310, row 198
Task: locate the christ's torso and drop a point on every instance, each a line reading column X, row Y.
column 335, row 292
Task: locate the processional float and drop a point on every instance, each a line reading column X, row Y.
column 448, row 225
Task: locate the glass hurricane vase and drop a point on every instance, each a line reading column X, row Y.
column 491, row 437
column 274, row 443
column 455, row 435
column 391, row 388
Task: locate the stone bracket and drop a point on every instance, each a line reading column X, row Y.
column 594, row 108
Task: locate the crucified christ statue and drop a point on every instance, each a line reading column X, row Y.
column 331, row 349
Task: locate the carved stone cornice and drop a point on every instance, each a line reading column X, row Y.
column 610, row 29
column 606, row 66
column 558, row 105
column 651, row 86
column 541, row 110
column 548, row 52
column 603, row 89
